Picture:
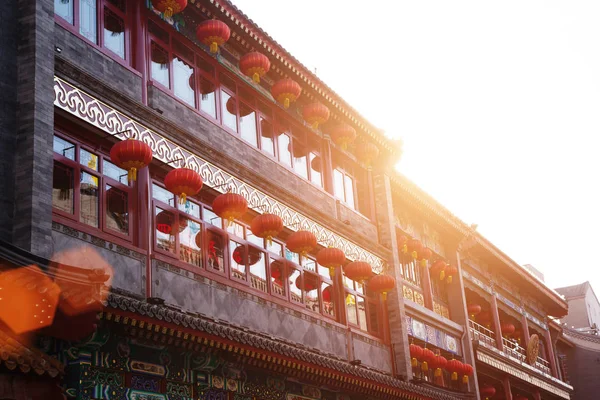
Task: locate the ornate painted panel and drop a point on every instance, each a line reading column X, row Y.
column 112, row 121
column 433, row 335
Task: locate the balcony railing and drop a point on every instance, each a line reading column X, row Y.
column 512, row 349
column 482, row 334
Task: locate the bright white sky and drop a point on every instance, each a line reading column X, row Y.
column 498, row 104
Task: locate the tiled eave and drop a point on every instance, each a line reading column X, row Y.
column 274, row 351
column 261, row 40
column 15, row 355
column 428, row 204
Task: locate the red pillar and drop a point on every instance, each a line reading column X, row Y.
column 138, row 46
column 372, row 214
column 327, row 164
column 550, row 349
column 496, row 317
column 426, row 284
column 525, row 326
column 143, row 217
column 537, row 395
column 507, row 390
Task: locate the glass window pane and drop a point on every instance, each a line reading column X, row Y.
column 112, row 171
column 114, row 33
column 349, row 185
column 181, row 81
column 260, row 242
column 215, row 251
column 236, row 229
column 323, row 271
column 328, row 298
column 64, row 9
column 310, row 285
column 88, row 159
column 258, row 270
column 248, row 125
column 62, row 188
column 362, row 312
column 266, row 136
column 212, row 218
column 165, row 237
column 348, row 282
column 275, row 247
column 300, row 164
column 283, row 145
column 160, row 65
column 120, row 4
column 190, row 241
column 295, row 291
column 88, row 208
column 163, row 195
column 87, row 19
column 309, row 264
column 208, row 102
column 237, row 260
column 294, row 257
column 229, row 111
column 316, row 166
column 338, row 184
column 64, row 148
column 351, row 307
column 278, row 276
column 117, row 210
column 190, row 208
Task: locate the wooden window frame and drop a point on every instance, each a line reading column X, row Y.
column 370, row 300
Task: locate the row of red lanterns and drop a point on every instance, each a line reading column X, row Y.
column 437, row 362
column 418, row 251
column 508, row 329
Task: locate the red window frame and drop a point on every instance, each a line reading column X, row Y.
column 101, row 5
column 372, row 305
column 103, row 181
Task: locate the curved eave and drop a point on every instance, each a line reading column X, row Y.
column 556, row 305
column 295, row 68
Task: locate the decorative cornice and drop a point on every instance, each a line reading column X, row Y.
column 99, row 114
column 208, row 331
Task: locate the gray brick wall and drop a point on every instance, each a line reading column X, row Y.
column 35, row 122
column 8, row 113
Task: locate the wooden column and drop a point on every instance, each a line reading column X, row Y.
column 525, row 328
column 327, row 164
column 496, row 317
column 507, row 390
column 550, row 349
column 142, row 215
column 372, row 214
column 138, row 45
column 426, row 285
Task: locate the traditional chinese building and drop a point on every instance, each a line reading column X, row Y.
column 261, row 244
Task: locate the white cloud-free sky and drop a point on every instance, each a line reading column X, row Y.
column 498, row 104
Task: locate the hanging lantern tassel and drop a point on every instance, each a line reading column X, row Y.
column 438, row 372
column 132, row 174
column 466, row 379
column 424, row 366
column 415, row 255
column 404, row 249
column 414, row 362
column 214, row 47
column 286, row 103
column 442, row 275
column 423, row 263
column 182, row 198
column 256, row 77
column 332, row 271
column 454, row 376
column 168, row 12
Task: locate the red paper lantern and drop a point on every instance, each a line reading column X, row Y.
column 473, row 310
column 367, row 152
column 507, row 329
column 487, row 391
column 331, row 257
column 131, row 155
column 266, row 226
column 183, row 182
column 467, row 371
column 416, row 353
column 342, row 135
column 301, row 242
column 428, row 358
column 213, row 33
column 310, row 283
column 358, row 271
column 230, row 206
column 255, row 65
column 402, row 244
column 315, row 114
column 454, row 367
column 439, row 363
column 232, row 108
column 438, row 269
column 425, row 255
column 242, row 256
column 169, row 7
column 165, row 222
column 414, row 247
column 382, row 284
column 281, row 270
column 327, row 294
column 286, row 91
column 316, row 163
column 451, row 270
